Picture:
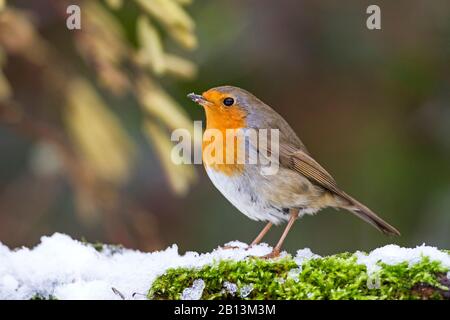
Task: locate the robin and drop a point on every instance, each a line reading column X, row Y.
column 300, row 186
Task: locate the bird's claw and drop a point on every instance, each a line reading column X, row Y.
column 274, row 254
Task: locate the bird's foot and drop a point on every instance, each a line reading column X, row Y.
column 274, row 254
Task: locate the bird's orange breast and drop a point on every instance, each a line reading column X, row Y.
column 221, row 118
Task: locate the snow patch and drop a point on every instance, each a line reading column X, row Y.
column 303, row 255
column 294, row 273
column 246, row 290
column 85, row 290
column 230, row 287
column 68, row 269
column 195, row 292
column 393, row 254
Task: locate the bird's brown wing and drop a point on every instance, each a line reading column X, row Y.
column 296, row 157
column 298, row 160
column 303, row 163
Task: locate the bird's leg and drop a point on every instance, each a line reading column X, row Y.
column 277, row 249
column 257, row 239
column 261, row 235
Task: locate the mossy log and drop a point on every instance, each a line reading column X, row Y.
column 60, row 267
column 334, row 277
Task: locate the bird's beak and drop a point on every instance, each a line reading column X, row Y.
column 198, row 99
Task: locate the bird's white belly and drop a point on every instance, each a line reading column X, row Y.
column 240, row 192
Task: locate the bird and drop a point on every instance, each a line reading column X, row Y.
column 300, row 186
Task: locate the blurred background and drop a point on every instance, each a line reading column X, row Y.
column 86, row 116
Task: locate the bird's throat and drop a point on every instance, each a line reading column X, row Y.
column 219, row 152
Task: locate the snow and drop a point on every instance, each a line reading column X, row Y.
column 68, row 269
column 195, row 292
column 246, row 290
column 393, row 254
column 303, row 255
column 294, row 273
column 230, row 287
column 84, row 290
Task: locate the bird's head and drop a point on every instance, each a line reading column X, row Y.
column 225, row 106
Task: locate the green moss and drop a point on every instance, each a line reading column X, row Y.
column 334, row 277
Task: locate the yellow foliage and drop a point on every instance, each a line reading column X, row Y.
column 161, row 106
column 97, row 133
column 172, row 16
column 151, row 47
column 180, row 176
column 104, row 151
column 114, row 4
column 179, row 66
column 5, row 88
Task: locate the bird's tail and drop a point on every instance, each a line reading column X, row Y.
column 368, row 215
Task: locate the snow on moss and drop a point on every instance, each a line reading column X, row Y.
column 62, row 268
column 393, row 254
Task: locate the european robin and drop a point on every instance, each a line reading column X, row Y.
column 300, row 185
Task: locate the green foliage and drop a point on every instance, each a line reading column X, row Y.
column 334, row 277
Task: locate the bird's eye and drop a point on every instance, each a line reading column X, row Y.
column 228, row 101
